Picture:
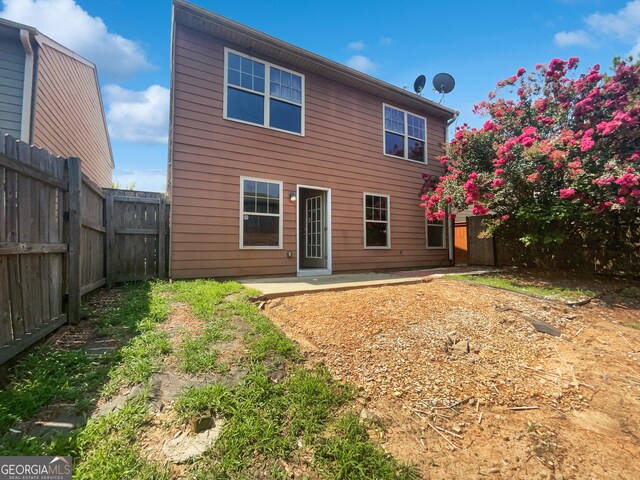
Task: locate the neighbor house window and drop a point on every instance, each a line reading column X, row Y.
column 435, row 234
column 260, row 213
column 405, row 134
column 376, row 221
column 263, row 94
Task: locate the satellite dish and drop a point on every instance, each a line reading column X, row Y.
column 418, row 85
column 443, row 83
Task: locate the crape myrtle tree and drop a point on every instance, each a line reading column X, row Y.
column 556, row 160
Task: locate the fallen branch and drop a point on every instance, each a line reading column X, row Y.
column 523, row 408
column 452, row 406
column 450, row 433
column 453, row 445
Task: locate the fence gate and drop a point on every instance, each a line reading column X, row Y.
column 136, row 226
column 481, row 250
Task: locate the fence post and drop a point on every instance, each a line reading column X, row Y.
column 161, row 237
column 110, row 237
column 75, row 226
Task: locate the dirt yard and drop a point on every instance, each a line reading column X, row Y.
column 447, row 368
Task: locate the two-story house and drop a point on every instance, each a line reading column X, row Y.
column 50, row 97
column 283, row 162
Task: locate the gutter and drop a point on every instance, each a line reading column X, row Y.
column 27, row 87
column 450, row 222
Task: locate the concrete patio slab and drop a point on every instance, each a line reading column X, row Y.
column 287, row 286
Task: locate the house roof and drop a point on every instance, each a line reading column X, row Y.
column 42, row 39
column 211, row 23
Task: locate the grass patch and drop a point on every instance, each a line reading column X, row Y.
column 46, row 376
column 635, row 325
column 265, row 342
column 204, row 296
column 140, row 358
column 106, row 447
column 348, row 454
column 264, row 418
column 630, row 292
column 549, row 292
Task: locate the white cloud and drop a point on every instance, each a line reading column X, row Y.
column 362, row 63
column 576, row 38
column 152, row 180
column 357, row 45
column 69, row 24
column 386, row 41
column 622, row 25
column 138, row 116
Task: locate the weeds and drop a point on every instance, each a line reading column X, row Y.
column 549, row 292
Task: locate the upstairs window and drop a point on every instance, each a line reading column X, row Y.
column 263, row 94
column 405, row 134
column 376, row 221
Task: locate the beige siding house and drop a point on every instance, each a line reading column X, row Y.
column 286, row 163
column 50, row 97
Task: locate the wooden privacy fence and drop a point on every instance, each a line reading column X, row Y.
column 137, row 235
column 481, row 251
column 61, row 237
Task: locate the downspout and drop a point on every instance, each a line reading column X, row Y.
column 449, row 221
column 27, row 88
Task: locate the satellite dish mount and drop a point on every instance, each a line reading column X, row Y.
column 443, row 83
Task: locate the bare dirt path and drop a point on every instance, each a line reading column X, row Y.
column 415, row 350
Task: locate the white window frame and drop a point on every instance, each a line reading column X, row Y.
column 405, row 135
column 242, row 213
column 364, row 220
column 426, row 234
column 266, row 95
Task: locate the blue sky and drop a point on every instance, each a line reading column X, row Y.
column 479, row 43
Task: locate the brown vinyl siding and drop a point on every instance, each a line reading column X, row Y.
column 68, row 118
column 342, row 150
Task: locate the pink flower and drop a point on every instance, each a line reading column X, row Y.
column 627, row 180
column 572, row 63
column 567, row 193
column 498, row 182
column 505, row 217
column 586, row 143
column 603, row 181
column 479, row 209
column 499, row 171
column 540, row 104
column 603, row 206
column 534, row 177
column 635, row 193
column 527, row 141
column 520, row 72
column 489, row 126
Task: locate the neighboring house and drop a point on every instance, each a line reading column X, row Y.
column 283, row 162
column 50, row 97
